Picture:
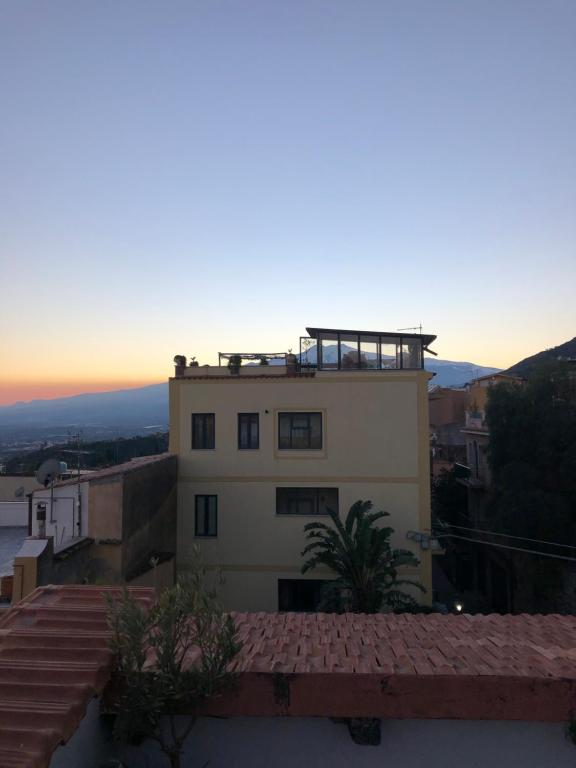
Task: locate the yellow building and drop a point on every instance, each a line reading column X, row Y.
column 265, row 448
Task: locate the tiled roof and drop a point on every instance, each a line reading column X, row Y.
column 406, row 666
column 116, row 469
column 54, row 658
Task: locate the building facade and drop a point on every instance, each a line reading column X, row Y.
column 264, row 449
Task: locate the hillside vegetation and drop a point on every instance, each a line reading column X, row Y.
column 95, row 455
column 530, row 365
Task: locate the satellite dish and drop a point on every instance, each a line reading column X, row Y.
column 19, row 492
column 49, row 471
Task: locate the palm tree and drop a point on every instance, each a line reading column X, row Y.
column 359, row 553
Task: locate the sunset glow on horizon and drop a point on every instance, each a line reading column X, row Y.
column 189, row 178
column 24, row 392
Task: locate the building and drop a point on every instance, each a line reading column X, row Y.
column 265, row 447
column 107, row 526
column 447, row 415
column 436, row 690
column 476, row 436
column 483, row 570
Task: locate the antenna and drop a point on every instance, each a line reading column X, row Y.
column 414, row 328
column 19, row 492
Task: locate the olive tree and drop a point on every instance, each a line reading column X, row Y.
column 170, row 658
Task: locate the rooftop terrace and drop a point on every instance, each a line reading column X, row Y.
column 324, row 349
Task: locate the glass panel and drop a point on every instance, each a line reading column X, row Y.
column 328, row 346
column 284, row 430
column 389, row 350
column 302, row 501
column 247, row 430
column 209, row 430
column 369, row 351
column 315, row 430
column 349, row 357
column 300, row 431
column 411, row 354
column 254, row 431
column 211, row 516
column 328, row 501
column 306, row 501
column 206, row 513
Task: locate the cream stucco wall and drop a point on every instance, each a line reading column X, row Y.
column 375, row 446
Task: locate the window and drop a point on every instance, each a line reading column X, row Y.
column 248, row 431
column 206, row 516
column 202, row 431
column 299, row 594
column 349, row 356
column 411, row 354
column 369, row 351
column 300, row 431
column 306, row 501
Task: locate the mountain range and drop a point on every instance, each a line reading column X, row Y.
column 137, row 411
column 566, row 351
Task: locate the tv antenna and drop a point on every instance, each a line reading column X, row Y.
column 414, row 328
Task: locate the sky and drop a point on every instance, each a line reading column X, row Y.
column 188, row 177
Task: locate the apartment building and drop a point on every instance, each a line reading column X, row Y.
column 268, row 442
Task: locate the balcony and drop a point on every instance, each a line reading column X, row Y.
column 475, row 422
column 244, row 364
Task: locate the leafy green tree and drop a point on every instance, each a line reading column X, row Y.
column 532, row 455
column 169, row 660
column 449, row 499
column 358, row 551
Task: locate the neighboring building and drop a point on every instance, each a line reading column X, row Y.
column 485, row 569
column 17, row 487
column 476, row 435
column 106, row 526
column 447, row 415
column 14, row 523
column 264, row 449
column 316, row 689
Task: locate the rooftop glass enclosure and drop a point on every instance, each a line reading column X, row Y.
column 332, row 350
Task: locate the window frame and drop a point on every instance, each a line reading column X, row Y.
column 285, row 490
column 242, row 416
column 300, row 414
column 205, row 418
column 206, row 512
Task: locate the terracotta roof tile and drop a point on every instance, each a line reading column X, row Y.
column 54, row 658
column 527, row 663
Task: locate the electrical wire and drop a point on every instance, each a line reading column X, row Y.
column 509, row 536
column 506, row 546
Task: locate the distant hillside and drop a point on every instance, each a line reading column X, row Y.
column 139, row 407
column 128, row 412
column 455, row 374
column 527, row 366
